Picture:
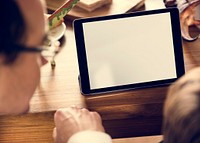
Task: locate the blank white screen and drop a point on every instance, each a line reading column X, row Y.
column 129, row 50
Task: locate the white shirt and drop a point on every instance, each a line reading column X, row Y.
column 90, row 137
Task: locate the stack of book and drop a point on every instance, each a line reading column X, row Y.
column 91, row 8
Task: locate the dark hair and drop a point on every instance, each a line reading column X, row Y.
column 12, row 29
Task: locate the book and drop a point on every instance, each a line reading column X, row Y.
column 91, row 5
column 116, row 7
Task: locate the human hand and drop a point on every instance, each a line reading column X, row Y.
column 72, row 120
column 187, row 19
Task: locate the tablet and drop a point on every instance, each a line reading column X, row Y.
column 129, row 51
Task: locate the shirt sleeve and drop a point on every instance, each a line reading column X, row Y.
column 90, row 137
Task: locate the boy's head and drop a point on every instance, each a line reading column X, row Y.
column 182, row 110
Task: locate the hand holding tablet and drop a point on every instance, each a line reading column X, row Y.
column 128, row 51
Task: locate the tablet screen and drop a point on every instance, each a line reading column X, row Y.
column 130, row 50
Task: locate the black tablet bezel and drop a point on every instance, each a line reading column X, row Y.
column 82, row 60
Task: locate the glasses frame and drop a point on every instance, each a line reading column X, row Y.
column 21, row 48
column 45, row 46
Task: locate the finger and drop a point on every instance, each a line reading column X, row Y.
column 74, row 111
column 193, row 5
column 66, row 113
column 190, row 10
column 54, row 133
column 196, row 22
column 96, row 118
column 79, row 114
column 61, row 115
column 84, row 111
column 75, row 108
column 96, row 115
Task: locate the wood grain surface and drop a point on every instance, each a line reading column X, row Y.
column 124, row 114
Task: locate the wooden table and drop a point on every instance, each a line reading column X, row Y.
column 124, row 114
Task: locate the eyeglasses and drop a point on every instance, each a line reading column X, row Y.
column 48, row 49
